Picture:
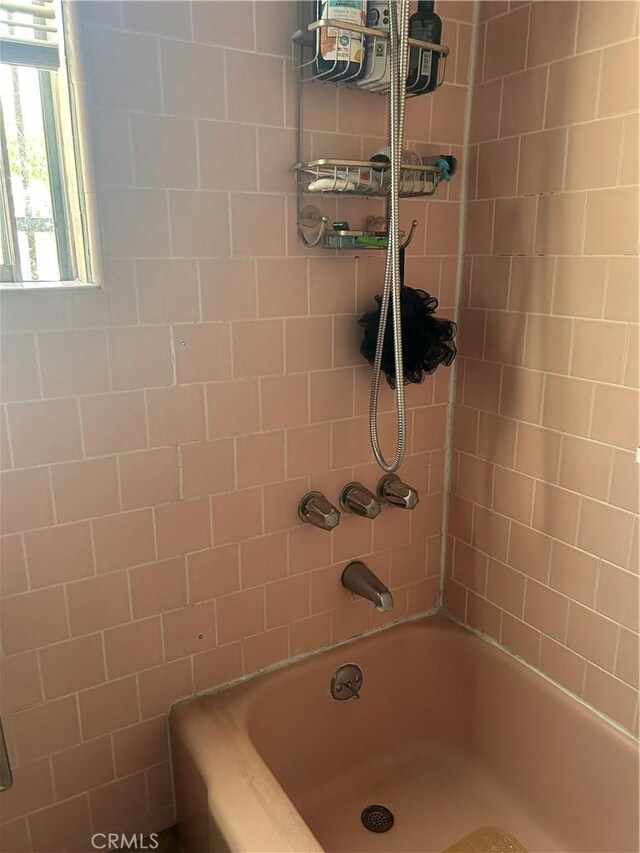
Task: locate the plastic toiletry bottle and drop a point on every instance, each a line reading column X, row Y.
column 377, row 69
column 424, row 25
column 409, row 178
column 340, row 52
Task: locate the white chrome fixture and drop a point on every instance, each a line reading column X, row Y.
column 346, row 682
column 314, row 508
column 359, row 579
column 358, row 499
column 393, row 491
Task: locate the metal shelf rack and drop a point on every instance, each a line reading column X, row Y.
column 306, row 51
column 363, row 177
column 340, row 177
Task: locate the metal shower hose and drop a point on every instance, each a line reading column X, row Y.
column 398, row 54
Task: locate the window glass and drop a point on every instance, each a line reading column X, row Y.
column 38, row 242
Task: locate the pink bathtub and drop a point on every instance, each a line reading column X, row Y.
column 450, row 734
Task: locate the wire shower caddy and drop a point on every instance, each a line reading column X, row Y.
column 306, row 52
column 339, row 177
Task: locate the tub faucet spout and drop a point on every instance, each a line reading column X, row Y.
column 359, row 579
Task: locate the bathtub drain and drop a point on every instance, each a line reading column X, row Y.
column 377, row 818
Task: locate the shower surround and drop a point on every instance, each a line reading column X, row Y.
column 543, row 531
column 157, row 436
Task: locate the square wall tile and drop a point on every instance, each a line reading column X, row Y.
column 199, row 223
column 255, row 86
column 164, row 151
column 185, row 66
column 85, row 489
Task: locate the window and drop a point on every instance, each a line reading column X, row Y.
column 45, row 213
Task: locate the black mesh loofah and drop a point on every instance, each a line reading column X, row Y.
column 427, row 341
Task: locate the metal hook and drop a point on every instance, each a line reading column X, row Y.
column 412, row 231
column 308, row 218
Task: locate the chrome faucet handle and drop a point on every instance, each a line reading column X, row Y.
column 315, row 509
column 358, row 499
column 393, row 491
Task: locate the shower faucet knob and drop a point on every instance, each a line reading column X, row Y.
column 315, row 509
column 393, row 491
column 358, row 499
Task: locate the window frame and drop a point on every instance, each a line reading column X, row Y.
column 68, row 125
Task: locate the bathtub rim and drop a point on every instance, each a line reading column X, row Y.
column 435, row 611
column 268, row 795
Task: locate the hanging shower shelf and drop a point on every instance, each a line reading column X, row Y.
column 340, row 236
column 336, row 238
column 357, row 177
column 366, row 178
column 306, row 55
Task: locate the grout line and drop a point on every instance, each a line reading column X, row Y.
column 285, row 66
column 462, row 230
column 83, row 447
column 180, row 465
column 118, row 485
column 251, row 52
column 36, row 345
column 572, row 344
column 592, row 412
column 174, row 360
column 517, row 177
column 599, row 86
column 255, row 27
column 225, row 80
column 630, row 117
column 192, row 33
column 555, row 486
column 634, row 537
column 583, row 684
column 627, row 352
column 533, row 505
column 565, row 165
column 616, row 651
column 487, row 639
column 481, row 25
column 4, row 414
column 547, row 83
column 38, row 658
column 158, row 46
column 528, row 44
column 577, row 29
column 52, row 495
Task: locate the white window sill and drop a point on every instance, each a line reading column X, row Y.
column 48, row 286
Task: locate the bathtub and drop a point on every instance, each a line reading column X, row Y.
column 450, row 733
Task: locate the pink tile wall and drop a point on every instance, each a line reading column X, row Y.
column 157, row 436
column 544, row 508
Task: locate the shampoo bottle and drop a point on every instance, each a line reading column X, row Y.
column 377, row 68
column 424, row 25
column 340, row 53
